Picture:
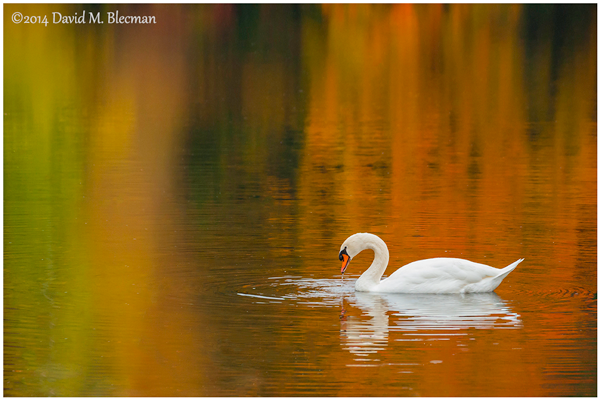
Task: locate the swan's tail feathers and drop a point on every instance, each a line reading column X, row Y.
column 507, row 270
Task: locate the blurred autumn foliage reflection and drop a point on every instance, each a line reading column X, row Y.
column 142, row 163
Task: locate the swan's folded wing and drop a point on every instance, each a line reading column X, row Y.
column 436, row 275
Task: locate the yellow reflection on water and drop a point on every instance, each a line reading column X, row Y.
column 123, row 114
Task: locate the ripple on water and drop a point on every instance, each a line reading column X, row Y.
column 562, row 292
column 300, row 291
column 409, row 312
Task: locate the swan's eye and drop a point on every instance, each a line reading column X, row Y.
column 342, row 254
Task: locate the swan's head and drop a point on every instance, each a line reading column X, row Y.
column 354, row 245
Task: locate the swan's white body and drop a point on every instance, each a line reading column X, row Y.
column 434, row 275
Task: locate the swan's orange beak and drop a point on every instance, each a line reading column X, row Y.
column 345, row 258
column 346, row 261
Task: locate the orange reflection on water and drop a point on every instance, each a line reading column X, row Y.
column 437, row 98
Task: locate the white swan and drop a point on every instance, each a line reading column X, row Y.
column 434, row 275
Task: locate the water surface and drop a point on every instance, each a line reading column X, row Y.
column 176, row 196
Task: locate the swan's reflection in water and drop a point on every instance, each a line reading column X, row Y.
column 420, row 317
column 370, row 321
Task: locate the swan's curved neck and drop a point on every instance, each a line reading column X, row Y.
column 372, row 276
